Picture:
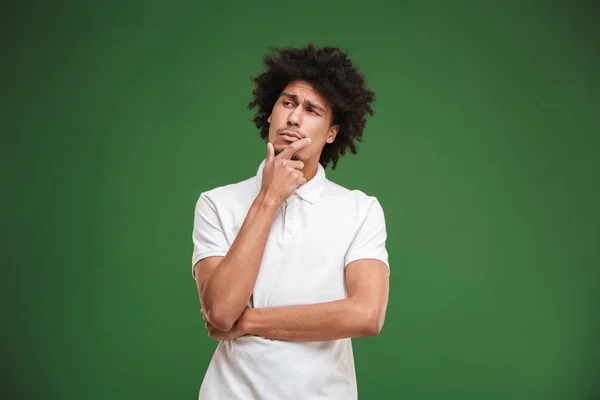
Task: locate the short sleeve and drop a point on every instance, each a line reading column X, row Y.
column 370, row 239
column 208, row 235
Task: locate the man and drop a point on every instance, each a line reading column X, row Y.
column 290, row 266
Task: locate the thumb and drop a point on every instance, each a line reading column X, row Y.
column 270, row 152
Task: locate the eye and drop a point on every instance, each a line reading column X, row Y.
column 287, row 103
column 312, row 111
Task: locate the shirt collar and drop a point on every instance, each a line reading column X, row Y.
column 310, row 191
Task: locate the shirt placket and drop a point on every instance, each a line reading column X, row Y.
column 290, row 223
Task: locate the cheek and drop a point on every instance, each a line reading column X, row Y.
column 276, row 121
column 272, row 128
column 277, row 114
column 319, row 132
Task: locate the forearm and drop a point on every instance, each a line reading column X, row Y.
column 226, row 293
column 339, row 319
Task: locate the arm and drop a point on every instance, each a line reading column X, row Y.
column 361, row 314
column 225, row 284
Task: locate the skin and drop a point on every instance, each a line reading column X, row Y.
column 361, row 314
column 302, row 110
column 225, row 284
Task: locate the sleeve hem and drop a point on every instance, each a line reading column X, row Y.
column 211, row 253
column 376, row 256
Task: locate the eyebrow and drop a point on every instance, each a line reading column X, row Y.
column 310, row 103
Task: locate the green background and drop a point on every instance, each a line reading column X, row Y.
column 483, row 153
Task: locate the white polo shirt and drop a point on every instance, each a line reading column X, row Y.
column 319, row 230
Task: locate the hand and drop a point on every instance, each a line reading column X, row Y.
column 282, row 176
column 235, row 332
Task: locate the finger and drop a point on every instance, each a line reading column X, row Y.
column 270, row 152
column 289, row 151
column 300, row 183
column 294, row 164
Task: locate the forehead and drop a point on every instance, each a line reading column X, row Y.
column 305, row 91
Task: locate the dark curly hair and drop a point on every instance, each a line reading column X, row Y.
column 333, row 75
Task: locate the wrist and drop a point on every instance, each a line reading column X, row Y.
column 267, row 202
column 244, row 323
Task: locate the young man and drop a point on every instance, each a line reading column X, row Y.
column 289, row 265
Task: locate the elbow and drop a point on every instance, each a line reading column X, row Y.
column 219, row 316
column 220, row 319
column 373, row 323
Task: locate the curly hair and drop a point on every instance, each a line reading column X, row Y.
column 333, row 75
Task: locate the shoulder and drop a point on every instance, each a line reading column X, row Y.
column 341, row 194
column 230, row 195
column 352, row 202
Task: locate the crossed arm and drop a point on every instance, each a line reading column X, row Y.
column 225, row 284
column 361, row 314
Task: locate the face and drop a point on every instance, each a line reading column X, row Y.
column 300, row 112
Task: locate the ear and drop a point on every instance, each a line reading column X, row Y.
column 269, row 119
column 333, row 131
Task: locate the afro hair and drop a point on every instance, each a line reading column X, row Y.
column 333, row 75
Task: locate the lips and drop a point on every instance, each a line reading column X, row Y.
column 290, row 136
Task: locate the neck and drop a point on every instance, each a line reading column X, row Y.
column 310, row 169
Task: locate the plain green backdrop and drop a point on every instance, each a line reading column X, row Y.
column 116, row 115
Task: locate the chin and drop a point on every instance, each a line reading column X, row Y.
column 295, row 157
column 278, row 150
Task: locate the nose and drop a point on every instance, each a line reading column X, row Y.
column 294, row 117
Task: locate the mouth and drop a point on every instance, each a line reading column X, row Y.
column 290, row 136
